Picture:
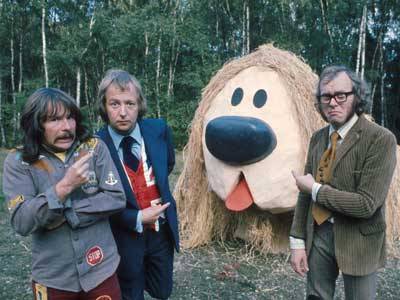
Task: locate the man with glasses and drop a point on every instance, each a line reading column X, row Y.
column 339, row 221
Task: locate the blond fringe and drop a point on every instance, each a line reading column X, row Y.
column 203, row 216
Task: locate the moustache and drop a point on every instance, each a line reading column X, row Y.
column 66, row 135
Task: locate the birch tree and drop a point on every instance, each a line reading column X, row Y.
column 158, row 74
column 44, row 51
column 12, row 75
column 174, row 51
column 360, row 63
column 2, row 133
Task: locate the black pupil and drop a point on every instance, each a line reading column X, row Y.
column 237, row 96
column 260, row 98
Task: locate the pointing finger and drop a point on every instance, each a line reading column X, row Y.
column 163, row 207
column 83, row 159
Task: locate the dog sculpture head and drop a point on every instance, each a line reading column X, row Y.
column 251, row 128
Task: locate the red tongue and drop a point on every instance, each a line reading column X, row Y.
column 240, row 198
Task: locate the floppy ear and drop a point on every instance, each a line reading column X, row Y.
column 392, row 210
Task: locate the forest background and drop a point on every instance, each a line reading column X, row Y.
column 175, row 46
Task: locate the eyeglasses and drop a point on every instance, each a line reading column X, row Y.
column 340, row 97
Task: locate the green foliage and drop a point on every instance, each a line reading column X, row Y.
column 189, row 40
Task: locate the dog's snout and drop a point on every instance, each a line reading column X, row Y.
column 239, row 140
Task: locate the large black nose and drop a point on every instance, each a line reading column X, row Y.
column 239, row 140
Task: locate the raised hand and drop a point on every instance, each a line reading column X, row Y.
column 152, row 213
column 75, row 176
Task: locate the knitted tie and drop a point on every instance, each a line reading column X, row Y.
column 324, row 173
column 129, row 158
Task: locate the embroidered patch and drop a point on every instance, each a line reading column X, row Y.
column 40, row 292
column 104, row 297
column 85, row 148
column 94, row 256
column 111, row 179
column 14, row 202
column 92, row 186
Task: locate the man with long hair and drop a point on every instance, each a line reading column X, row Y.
column 147, row 230
column 61, row 186
column 339, row 221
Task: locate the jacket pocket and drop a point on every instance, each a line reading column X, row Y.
column 368, row 229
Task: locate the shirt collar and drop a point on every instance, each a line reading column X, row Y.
column 345, row 128
column 63, row 156
column 117, row 138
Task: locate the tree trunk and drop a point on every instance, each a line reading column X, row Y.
column 44, row 53
column 78, row 87
column 383, row 75
column 20, row 64
column 325, row 21
column 2, row 133
column 89, row 103
column 158, row 74
column 174, row 54
column 146, row 54
column 364, row 34
column 361, row 42
column 244, row 29
column 14, row 98
column 247, row 28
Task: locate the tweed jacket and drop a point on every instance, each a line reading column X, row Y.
column 361, row 176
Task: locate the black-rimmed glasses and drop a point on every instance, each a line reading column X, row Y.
column 340, row 97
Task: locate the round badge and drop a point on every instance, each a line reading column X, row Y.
column 94, row 256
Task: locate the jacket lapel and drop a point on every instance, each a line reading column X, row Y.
column 349, row 141
column 154, row 147
column 320, row 148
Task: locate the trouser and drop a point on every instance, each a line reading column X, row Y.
column 323, row 270
column 154, row 254
column 107, row 290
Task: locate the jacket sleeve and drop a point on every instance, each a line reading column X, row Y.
column 375, row 178
column 170, row 149
column 126, row 219
column 29, row 210
column 298, row 229
column 109, row 199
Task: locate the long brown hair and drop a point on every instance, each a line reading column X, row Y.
column 44, row 103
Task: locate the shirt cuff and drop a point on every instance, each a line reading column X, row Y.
column 315, row 188
column 52, row 199
column 139, row 225
column 71, row 218
column 296, row 243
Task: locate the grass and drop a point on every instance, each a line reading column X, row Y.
column 218, row 271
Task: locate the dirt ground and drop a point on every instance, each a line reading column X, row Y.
column 218, row 271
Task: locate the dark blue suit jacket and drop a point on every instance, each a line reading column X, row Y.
column 160, row 150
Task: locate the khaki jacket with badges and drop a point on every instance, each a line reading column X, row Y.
column 72, row 245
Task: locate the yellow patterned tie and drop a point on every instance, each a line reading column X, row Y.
column 324, row 171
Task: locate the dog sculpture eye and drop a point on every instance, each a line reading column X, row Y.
column 237, row 96
column 259, row 99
